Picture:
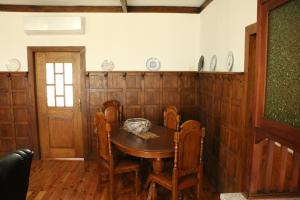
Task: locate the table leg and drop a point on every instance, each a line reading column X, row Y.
column 158, row 165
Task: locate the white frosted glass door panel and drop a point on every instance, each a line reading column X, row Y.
column 59, row 83
column 50, row 96
column 49, row 73
column 68, row 73
column 69, row 96
column 60, row 102
column 59, row 68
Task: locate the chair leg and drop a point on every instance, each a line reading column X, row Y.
column 111, row 186
column 136, row 182
column 200, row 183
column 147, row 182
column 174, row 194
column 199, row 189
column 180, row 196
column 154, row 191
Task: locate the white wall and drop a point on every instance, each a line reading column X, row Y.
column 222, row 29
column 127, row 39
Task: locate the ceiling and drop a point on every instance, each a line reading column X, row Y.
column 181, row 6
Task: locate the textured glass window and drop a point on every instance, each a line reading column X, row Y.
column 283, row 65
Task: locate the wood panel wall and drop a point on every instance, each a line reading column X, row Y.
column 142, row 94
column 15, row 113
column 222, row 106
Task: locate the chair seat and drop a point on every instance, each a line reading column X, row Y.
column 165, row 180
column 125, row 165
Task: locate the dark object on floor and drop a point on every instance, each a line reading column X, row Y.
column 14, row 174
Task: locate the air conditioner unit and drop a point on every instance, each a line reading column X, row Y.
column 53, row 25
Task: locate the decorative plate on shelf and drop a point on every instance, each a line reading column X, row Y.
column 230, row 61
column 213, row 63
column 107, row 65
column 201, row 64
column 153, row 64
column 13, row 65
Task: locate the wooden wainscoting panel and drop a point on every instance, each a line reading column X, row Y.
column 153, row 96
column 97, row 81
column 5, row 99
column 116, row 80
column 221, row 102
column 4, row 81
column 7, row 133
column 188, row 95
column 15, row 116
column 6, row 130
column 5, row 115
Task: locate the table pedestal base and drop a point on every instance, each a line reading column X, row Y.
column 158, row 165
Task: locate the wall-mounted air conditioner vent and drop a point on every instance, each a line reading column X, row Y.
column 53, row 25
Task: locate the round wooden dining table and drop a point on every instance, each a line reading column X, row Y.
column 154, row 148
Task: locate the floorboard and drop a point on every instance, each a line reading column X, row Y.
column 78, row 180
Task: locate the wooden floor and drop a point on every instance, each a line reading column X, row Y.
column 76, row 180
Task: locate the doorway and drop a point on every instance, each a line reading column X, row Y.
column 58, row 74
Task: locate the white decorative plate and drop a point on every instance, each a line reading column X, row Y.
column 153, row 64
column 13, row 65
column 230, row 61
column 107, row 65
column 213, row 63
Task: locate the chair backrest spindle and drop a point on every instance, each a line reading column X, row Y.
column 171, row 118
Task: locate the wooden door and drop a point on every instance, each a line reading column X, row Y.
column 59, row 114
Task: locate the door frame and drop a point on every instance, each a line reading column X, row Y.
column 31, row 50
column 250, row 31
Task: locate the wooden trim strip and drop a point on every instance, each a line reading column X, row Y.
column 116, row 9
column 164, row 9
column 204, row 5
column 33, row 8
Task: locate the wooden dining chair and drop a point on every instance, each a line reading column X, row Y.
column 113, row 165
column 187, row 171
column 171, row 118
column 112, row 110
